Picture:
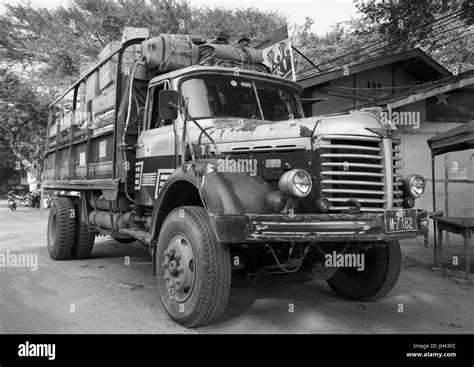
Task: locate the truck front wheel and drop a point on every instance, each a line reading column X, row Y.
column 381, row 270
column 193, row 270
column 61, row 228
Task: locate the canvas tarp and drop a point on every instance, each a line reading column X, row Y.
column 459, row 138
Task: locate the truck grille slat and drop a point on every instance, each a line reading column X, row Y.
column 354, row 156
column 343, row 173
column 342, row 182
column 349, row 138
column 349, row 165
column 351, row 147
column 364, row 192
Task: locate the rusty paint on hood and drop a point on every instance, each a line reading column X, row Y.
column 305, row 132
column 235, row 130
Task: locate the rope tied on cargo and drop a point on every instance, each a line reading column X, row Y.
column 243, row 57
column 174, row 51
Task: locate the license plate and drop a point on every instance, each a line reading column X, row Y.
column 400, row 220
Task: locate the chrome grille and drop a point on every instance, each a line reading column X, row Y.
column 354, row 167
column 397, row 177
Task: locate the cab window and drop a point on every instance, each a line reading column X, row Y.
column 154, row 121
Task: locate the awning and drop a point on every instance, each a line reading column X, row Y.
column 459, row 138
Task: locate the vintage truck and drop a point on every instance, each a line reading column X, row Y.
column 216, row 170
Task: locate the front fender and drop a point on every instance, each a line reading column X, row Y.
column 223, row 193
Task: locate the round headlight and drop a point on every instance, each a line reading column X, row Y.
column 414, row 185
column 296, row 183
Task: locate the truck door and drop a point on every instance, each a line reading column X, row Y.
column 155, row 157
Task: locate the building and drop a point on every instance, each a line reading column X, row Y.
column 423, row 99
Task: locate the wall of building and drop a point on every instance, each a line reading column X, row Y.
column 367, row 84
column 333, row 103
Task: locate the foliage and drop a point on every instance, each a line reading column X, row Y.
column 23, row 119
column 445, row 29
column 322, row 50
column 252, row 22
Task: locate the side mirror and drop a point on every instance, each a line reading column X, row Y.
column 167, row 106
column 141, row 118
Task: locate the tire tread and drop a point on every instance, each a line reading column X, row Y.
column 217, row 273
column 384, row 282
column 65, row 231
column 84, row 242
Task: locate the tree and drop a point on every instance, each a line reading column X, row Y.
column 325, row 50
column 253, row 22
column 23, row 119
column 442, row 28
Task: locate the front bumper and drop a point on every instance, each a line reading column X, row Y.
column 367, row 227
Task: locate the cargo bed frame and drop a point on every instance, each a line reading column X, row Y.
column 75, row 137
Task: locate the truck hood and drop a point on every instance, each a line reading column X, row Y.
column 232, row 133
column 235, row 130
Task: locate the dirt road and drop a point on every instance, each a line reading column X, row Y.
column 107, row 295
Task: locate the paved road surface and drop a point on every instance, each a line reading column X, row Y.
column 103, row 295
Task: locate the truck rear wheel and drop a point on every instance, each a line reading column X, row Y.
column 380, row 274
column 84, row 240
column 61, row 228
column 193, row 270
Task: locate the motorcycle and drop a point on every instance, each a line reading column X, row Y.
column 11, row 200
column 34, row 199
column 22, row 200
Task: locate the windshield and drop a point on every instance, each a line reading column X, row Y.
column 231, row 96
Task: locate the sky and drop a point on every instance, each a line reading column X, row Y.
column 325, row 12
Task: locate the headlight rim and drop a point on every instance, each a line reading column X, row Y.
column 408, row 186
column 287, row 184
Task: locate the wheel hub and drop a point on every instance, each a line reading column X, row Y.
column 172, row 267
column 179, row 267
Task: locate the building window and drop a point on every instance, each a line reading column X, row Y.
column 374, row 85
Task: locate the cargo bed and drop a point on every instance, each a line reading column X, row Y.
column 85, row 126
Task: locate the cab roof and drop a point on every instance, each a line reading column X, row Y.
column 226, row 71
